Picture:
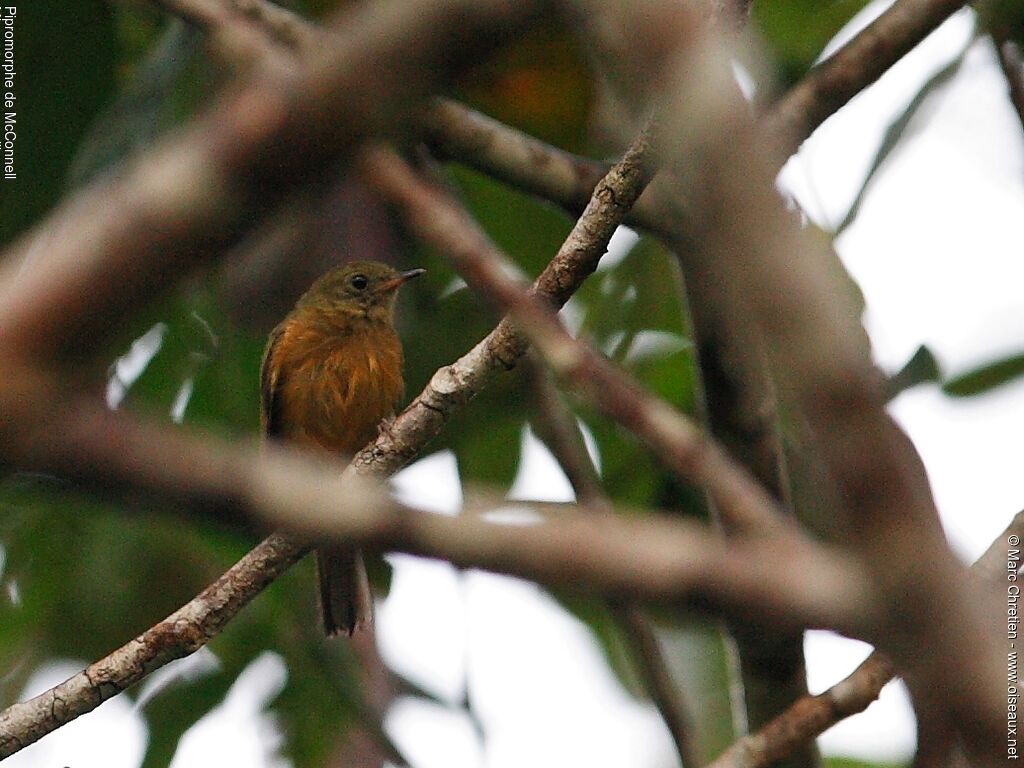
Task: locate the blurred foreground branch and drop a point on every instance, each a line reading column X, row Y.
column 187, row 198
column 783, row 279
column 782, row 582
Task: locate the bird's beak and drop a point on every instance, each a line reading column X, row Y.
column 390, row 285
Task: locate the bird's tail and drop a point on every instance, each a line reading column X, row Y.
column 344, row 590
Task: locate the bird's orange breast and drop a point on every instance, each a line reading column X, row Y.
column 335, row 388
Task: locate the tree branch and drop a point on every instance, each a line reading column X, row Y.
column 782, row 581
column 576, row 260
column 832, row 83
column 818, row 348
column 811, row 716
column 456, row 132
column 558, row 429
column 442, row 222
column 179, row 635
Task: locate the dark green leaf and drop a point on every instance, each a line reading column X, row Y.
column 171, row 712
column 141, row 109
column 64, row 63
column 897, row 130
column 798, row 30
column 985, row 377
column 921, row 368
column 851, row 762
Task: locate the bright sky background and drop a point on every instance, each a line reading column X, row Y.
column 934, row 251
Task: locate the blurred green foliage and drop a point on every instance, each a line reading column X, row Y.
column 65, row 59
column 798, row 30
column 849, row 762
column 985, row 377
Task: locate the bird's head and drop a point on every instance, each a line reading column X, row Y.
column 360, row 288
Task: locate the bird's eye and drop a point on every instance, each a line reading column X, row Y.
column 359, row 282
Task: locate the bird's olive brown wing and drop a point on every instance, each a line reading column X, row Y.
column 271, row 381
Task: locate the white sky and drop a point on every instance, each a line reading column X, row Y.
column 934, row 250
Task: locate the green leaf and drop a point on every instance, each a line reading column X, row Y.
column 488, row 449
column 921, row 368
column 852, row 762
column 798, row 30
column 485, row 435
column 897, row 130
column 628, row 310
column 698, row 658
column 172, row 711
column 141, row 109
column 599, row 618
column 502, row 212
column 89, row 576
column 985, row 377
column 206, row 370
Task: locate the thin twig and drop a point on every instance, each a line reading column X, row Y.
column 559, row 431
column 180, row 634
column 811, row 716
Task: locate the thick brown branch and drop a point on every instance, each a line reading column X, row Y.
column 819, row 351
column 786, row 580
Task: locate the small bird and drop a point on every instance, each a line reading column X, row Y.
column 331, row 372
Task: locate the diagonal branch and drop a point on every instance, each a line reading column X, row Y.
column 180, row 634
column 576, row 260
column 811, row 716
column 558, row 429
column 442, row 222
column 658, row 558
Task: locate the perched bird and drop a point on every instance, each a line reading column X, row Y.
column 332, row 370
